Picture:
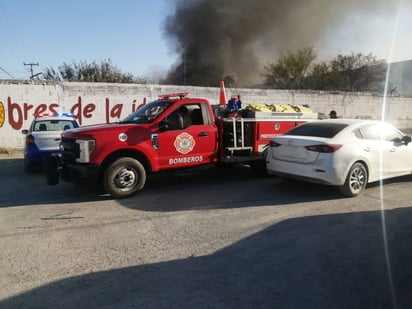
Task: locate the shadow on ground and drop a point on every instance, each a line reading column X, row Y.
column 331, row 261
column 208, row 187
column 217, row 188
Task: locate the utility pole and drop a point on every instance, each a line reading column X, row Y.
column 31, row 68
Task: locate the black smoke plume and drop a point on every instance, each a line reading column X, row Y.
column 234, row 39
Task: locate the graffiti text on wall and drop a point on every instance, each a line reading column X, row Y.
column 17, row 113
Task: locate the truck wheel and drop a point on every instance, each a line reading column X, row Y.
column 356, row 180
column 124, row 177
column 50, row 170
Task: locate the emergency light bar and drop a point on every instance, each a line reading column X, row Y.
column 44, row 115
column 66, row 114
column 179, row 95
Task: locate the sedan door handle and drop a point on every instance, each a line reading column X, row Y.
column 203, row 134
column 367, row 149
column 57, row 139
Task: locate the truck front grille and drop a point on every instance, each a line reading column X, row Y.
column 70, row 150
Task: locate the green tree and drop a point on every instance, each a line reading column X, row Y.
column 290, row 70
column 354, row 72
column 358, row 72
column 90, row 72
column 320, row 77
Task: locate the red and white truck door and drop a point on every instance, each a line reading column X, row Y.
column 193, row 145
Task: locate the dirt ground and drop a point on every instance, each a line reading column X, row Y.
column 213, row 239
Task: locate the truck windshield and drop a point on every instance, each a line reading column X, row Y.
column 147, row 113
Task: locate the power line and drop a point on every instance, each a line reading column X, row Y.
column 7, row 73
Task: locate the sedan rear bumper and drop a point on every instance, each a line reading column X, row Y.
column 305, row 172
column 301, row 178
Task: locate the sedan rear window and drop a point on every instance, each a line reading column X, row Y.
column 326, row 130
column 54, row 125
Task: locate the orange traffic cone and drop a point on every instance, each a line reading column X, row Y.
column 222, row 95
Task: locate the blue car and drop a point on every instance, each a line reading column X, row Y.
column 43, row 137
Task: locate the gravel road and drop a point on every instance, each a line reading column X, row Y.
column 211, row 239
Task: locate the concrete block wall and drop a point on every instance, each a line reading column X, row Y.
column 104, row 102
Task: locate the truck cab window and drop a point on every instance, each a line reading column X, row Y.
column 197, row 117
column 193, row 114
column 183, row 112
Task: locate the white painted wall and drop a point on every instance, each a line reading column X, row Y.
column 104, row 102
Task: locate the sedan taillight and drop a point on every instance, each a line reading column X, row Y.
column 30, row 140
column 324, row 148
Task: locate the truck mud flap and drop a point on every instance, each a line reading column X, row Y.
column 50, row 167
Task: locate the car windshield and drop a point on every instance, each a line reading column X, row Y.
column 327, row 130
column 148, row 112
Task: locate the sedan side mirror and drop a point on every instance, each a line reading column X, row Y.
column 406, row 139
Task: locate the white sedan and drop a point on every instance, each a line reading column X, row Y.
column 347, row 153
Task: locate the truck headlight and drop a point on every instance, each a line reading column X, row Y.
column 86, row 147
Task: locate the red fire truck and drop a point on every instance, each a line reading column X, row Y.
column 176, row 131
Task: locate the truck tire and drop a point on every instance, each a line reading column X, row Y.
column 356, row 180
column 50, row 170
column 124, row 177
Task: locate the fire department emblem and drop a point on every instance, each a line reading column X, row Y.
column 184, row 143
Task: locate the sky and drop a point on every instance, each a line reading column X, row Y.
column 131, row 34
column 388, row 36
column 53, row 32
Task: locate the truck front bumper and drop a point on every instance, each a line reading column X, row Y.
column 80, row 174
